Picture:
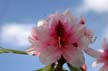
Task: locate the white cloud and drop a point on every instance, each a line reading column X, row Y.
column 99, row 6
column 15, row 35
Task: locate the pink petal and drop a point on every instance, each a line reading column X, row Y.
column 86, row 38
column 71, row 19
column 74, row 56
column 32, row 51
column 41, row 33
column 82, row 20
column 50, row 55
column 105, row 44
column 39, row 38
column 104, row 68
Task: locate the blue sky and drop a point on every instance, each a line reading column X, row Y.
column 17, row 17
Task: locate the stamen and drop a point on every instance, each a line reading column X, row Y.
column 60, row 41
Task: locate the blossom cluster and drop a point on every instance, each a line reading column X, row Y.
column 62, row 36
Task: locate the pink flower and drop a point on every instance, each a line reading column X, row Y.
column 103, row 57
column 60, row 35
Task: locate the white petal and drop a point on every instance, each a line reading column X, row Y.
column 105, row 43
column 79, row 28
column 101, row 69
column 50, row 55
column 41, row 23
column 104, row 68
column 41, row 34
column 74, row 56
column 100, row 50
column 84, row 42
column 35, row 45
column 32, row 51
column 94, row 64
column 92, row 52
column 71, row 19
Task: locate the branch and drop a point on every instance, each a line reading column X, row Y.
column 4, row 50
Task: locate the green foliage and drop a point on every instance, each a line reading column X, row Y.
column 46, row 68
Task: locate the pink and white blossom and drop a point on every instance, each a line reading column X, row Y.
column 60, row 35
column 103, row 57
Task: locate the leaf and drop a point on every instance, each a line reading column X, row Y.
column 73, row 68
column 4, row 50
column 46, row 68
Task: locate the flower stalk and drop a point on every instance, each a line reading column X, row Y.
column 59, row 66
column 4, row 50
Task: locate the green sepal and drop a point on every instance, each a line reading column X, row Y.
column 46, row 68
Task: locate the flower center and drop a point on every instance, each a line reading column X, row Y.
column 60, row 41
column 60, row 29
column 75, row 44
column 60, row 33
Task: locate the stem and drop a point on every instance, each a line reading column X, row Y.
column 3, row 50
column 60, row 64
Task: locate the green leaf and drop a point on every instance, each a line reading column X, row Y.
column 4, row 50
column 46, row 68
column 73, row 68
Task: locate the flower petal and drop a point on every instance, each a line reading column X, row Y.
column 95, row 64
column 82, row 20
column 92, row 52
column 32, row 51
column 105, row 44
column 104, row 68
column 74, row 56
column 41, row 23
column 39, row 38
column 71, row 19
column 50, row 55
